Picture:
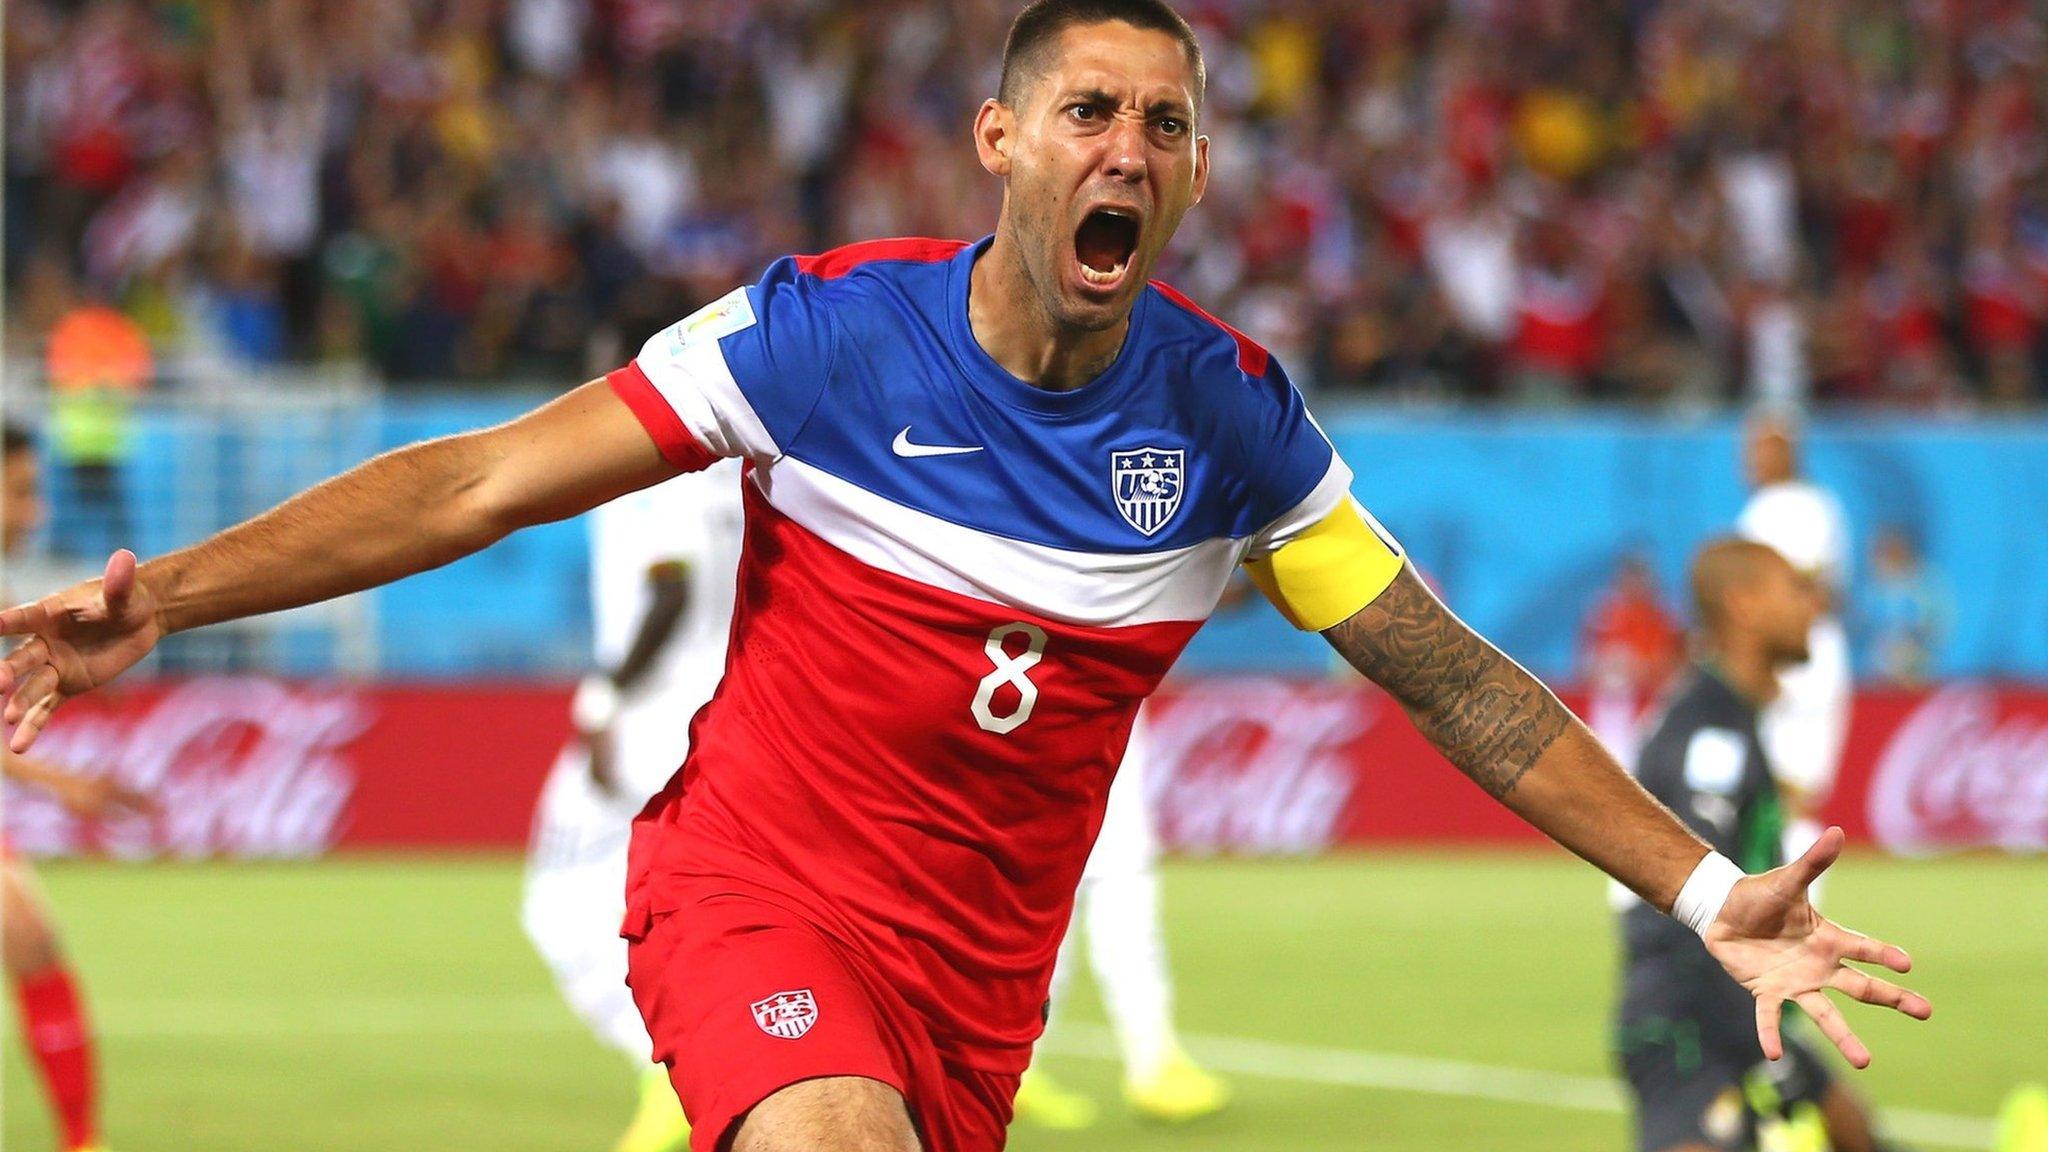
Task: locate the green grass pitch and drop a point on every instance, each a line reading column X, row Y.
column 391, row 1004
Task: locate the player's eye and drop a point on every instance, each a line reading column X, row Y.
column 1171, row 126
column 1084, row 113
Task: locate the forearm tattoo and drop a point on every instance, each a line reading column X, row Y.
column 1481, row 710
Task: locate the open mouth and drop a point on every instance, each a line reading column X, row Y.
column 1104, row 243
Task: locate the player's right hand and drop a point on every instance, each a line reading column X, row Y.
column 77, row 640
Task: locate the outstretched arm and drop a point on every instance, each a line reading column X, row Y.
column 1507, row 732
column 92, row 797
column 403, row 512
column 409, row 510
column 596, row 704
column 668, row 597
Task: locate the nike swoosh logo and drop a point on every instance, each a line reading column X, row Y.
column 903, row 447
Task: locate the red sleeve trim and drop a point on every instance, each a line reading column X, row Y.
column 839, row 261
column 1251, row 358
column 676, row 443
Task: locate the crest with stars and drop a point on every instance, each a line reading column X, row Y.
column 787, row 1014
column 1147, row 484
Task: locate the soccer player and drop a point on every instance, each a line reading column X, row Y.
column 1685, row 1036
column 53, row 1020
column 1805, row 727
column 992, row 490
column 1117, row 910
column 663, row 563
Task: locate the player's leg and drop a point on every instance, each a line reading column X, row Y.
column 53, row 1019
column 573, row 901
column 1041, row 1099
column 1818, row 1110
column 1127, row 950
column 746, row 1002
column 1683, row 1071
column 829, row 1114
column 1682, row 1105
column 1848, row 1122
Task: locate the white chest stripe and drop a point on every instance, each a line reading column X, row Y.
column 1096, row 589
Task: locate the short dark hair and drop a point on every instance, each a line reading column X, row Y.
column 1039, row 26
column 1722, row 565
column 18, row 439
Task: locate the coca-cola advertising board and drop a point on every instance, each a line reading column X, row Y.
column 1264, row 766
column 268, row 768
column 262, row 768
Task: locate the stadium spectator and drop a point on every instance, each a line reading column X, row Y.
column 96, row 360
column 1632, row 631
column 1631, row 648
column 1906, row 610
column 1575, row 199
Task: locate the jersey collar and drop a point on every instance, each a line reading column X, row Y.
column 994, row 381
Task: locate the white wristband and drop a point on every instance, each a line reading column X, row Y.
column 1705, row 891
column 596, row 704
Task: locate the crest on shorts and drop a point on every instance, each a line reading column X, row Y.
column 787, row 1014
column 1147, row 483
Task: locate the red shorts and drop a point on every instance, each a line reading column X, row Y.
column 743, row 998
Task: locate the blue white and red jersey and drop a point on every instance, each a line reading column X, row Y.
column 955, row 591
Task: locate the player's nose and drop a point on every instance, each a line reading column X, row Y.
column 1123, row 152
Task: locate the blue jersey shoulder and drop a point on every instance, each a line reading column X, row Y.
column 1250, row 411
column 804, row 308
column 1194, row 433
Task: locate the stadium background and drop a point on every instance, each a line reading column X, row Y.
column 1531, row 260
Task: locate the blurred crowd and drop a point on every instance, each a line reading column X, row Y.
column 1661, row 201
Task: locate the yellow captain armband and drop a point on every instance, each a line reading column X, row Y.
column 1329, row 571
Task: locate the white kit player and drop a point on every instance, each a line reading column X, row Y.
column 662, row 571
column 1117, row 910
column 1805, row 728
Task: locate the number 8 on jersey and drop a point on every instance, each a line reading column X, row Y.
column 1011, row 670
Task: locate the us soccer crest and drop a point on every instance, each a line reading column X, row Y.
column 787, row 1014
column 1147, row 483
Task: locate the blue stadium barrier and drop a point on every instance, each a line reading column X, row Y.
column 1520, row 518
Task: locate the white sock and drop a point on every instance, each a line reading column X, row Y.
column 1063, row 967
column 1128, row 955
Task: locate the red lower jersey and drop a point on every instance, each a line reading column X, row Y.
column 848, row 767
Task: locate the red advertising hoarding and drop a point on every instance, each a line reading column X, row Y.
column 252, row 767
column 1279, row 766
column 265, row 768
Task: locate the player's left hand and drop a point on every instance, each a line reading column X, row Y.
column 100, row 797
column 1770, row 939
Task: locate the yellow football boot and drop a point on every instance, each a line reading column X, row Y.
column 1042, row 1102
column 2023, row 1121
column 658, row 1125
column 1803, row 1131
column 1177, row 1091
